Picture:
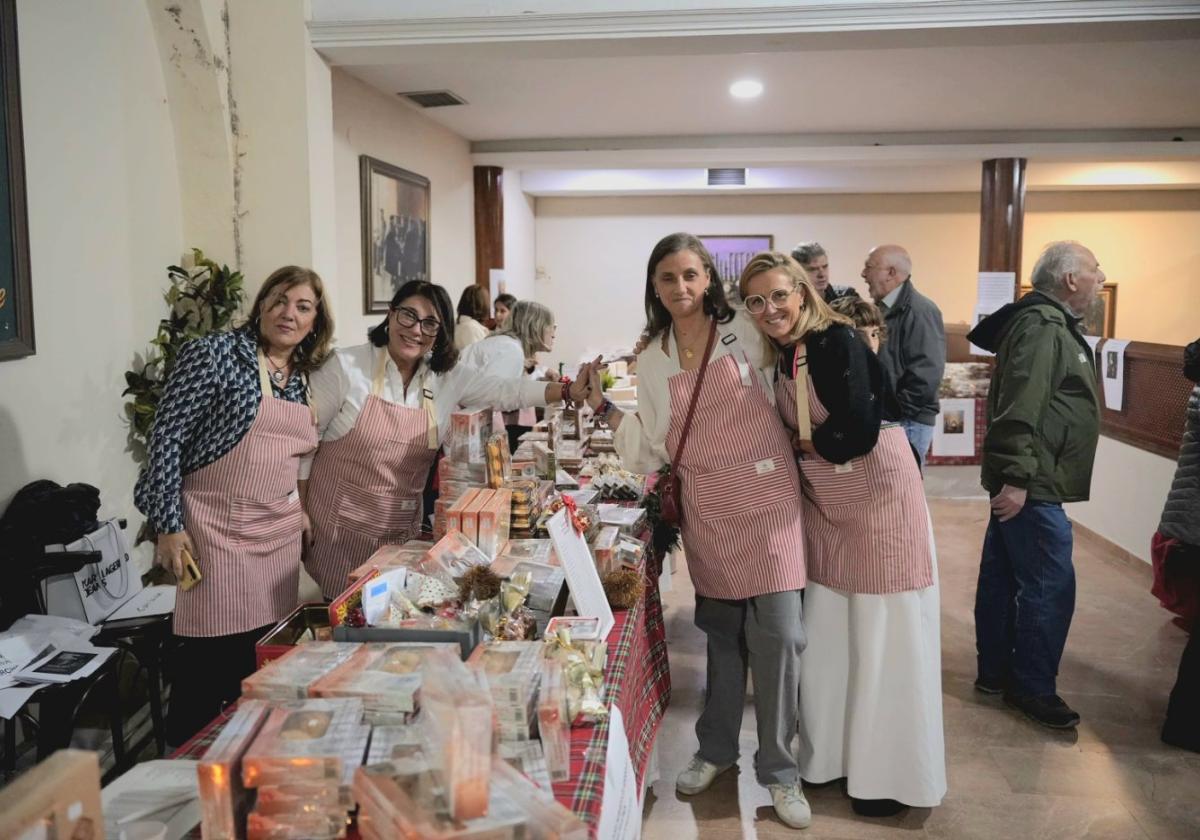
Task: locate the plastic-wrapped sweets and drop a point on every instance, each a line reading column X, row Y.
column 386, row 675
column 289, row 676
column 554, row 726
column 512, row 671
column 219, row 774
column 305, row 740
column 334, row 796
column 545, row 817
column 389, row 743
column 528, row 757
column 631, row 520
column 456, row 712
column 546, row 583
column 451, row 557
column 296, row 827
column 389, row 557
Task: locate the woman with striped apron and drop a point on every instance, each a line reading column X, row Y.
column 383, row 409
column 221, row 486
column 741, row 513
column 870, row 684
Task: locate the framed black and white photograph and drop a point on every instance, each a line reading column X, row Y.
column 395, row 230
column 16, row 296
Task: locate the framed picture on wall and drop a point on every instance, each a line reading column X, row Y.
column 1101, row 319
column 395, row 230
column 731, row 253
column 16, row 297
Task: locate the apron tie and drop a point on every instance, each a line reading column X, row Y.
column 800, row 377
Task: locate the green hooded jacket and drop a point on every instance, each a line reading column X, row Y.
column 1043, row 407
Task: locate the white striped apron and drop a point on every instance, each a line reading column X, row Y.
column 365, row 489
column 244, row 517
column 741, row 525
column 866, row 523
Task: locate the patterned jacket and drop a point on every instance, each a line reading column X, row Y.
column 209, row 403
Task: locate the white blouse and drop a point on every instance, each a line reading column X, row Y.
column 467, row 331
column 641, row 439
column 340, row 387
column 501, row 355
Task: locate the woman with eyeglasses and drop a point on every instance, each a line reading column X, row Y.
column 740, row 497
column 870, row 678
column 383, row 409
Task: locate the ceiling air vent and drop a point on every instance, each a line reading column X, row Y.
column 433, row 98
column 727, row 177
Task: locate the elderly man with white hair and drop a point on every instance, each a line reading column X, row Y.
column 1043, row 426
column 914, row 354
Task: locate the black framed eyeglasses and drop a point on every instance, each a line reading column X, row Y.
column 757, row 304
column 406, row 317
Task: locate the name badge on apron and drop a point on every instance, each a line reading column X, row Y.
column 765, row 466
column 842, row 469
column 293, row 497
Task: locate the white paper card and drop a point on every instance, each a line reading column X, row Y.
column 954, row 428
column 582, row 578
column 153, row 600
column 1112, row 370
column 979, row 315
column 995, row 289
column 620, row 816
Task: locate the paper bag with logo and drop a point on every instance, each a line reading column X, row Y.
column 99, row 588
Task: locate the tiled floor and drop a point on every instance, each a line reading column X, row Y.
column 1008, row 777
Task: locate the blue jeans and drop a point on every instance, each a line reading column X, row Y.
column 1025, row 599
column 920, row 436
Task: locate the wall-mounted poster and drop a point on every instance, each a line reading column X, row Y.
column 16, row 299
column 1101, row 318
column 395, row 230
column 730, row 253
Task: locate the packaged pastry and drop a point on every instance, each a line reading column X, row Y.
column 494, row 523
column 545, row 817
column 290, row 676
column 604, row 549
column 469, row 430
column 554, row 727
column 579, row 627
column 304, row 740
column 630, row 520
column 533, row 551
column 512, row 670
column 470, row 514
column 389, row 557
column 320, row 826
column 499, row 460
column 527, row 757
column 385, row 675
column 546, row 583
column 456, row 714
column 218, row 774
column 451, row 557
column 455, row 511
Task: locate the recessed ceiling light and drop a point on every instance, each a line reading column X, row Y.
column 746, row 89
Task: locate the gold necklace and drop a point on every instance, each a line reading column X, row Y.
column 688, row 352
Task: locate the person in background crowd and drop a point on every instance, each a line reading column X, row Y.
column 866, row 317
column 1043, row 427
column 1175, row 551
column 393, row 251
column 914, row 356
column 509, row 353
column 870, row 678
column 383, row 409
column 473, row 306
column 815, row 262
column 741, row 516
column 502, row 307
column 220, row 484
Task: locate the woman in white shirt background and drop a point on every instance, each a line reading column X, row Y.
column 510, row 353
column 474, row 304
column 383, row 409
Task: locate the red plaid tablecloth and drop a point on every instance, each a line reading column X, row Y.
column 637, row 679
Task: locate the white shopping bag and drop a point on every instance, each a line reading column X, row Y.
column 98, row 589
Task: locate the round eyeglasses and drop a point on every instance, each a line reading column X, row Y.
column 757, row 304
column 406, row 317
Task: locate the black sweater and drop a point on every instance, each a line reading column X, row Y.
column 849, row 381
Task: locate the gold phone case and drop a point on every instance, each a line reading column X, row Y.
column 191, row 572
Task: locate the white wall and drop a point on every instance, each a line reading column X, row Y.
column 520, row 237
column 366, row 121
column 1129, row 488
column 104, row 222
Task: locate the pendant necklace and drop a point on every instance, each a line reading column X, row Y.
column 278, row 374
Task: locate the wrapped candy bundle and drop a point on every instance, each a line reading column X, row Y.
column 290, row 676
column 386, row 676
column 219, row 773
column 507, row 617
column 583, row 673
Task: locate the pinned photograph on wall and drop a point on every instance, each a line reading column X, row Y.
column 395, row 230
column 731, row 253
column 954, row 429
column 1113, row 360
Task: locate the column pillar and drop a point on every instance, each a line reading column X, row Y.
column 1002, row 216
column 489, row 222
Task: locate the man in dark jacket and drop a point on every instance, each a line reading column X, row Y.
column 914, row 354
column 1043, row 426
column 815, row 262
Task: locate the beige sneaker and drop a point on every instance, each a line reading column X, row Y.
column 698, row 776
column 790, row 805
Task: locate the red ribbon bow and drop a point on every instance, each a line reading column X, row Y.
column 573, row 512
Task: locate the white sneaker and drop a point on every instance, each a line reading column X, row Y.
column 790, row 805
column 698, row 776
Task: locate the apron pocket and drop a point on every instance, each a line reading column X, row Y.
column 741, row 488
column 829, row 485
column 377, row 511
column 258, row 521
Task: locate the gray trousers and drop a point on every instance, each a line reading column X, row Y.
column 764, row 634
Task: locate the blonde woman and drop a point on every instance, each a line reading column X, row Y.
column 870, row 678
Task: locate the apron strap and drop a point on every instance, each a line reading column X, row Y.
column 264, row 379
column 426, row 397
column 800, row 377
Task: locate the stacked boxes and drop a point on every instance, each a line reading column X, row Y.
column 386, row 676
column 219, row 774
column 290, row 676
column 554, row 727
column 512, row 671
column 469, row 431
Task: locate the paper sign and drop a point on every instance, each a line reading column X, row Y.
column 582, row 578
column 620, row 816
column 153, row 600
column 954, row 428
column 1112, row 372
column 994, row 290
column 979, row 315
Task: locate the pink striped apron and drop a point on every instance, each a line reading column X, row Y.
column 866, row 523
column 365, row 488
column 243, row 514
column 741, row 508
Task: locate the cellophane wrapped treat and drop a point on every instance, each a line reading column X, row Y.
column 223, row 802
column 495, row 519
column 630, row 520
column 528, row 757
column 546, row 583
column 451, row 556
column 604, row 549
column 391, row 556
column 512, row 672
column 456, row 715
column 385, row 675
column 467, row 439
column 545, row 817
column 554, row 726
column 291, row 675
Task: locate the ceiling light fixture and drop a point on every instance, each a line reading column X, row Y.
column 746, row 89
